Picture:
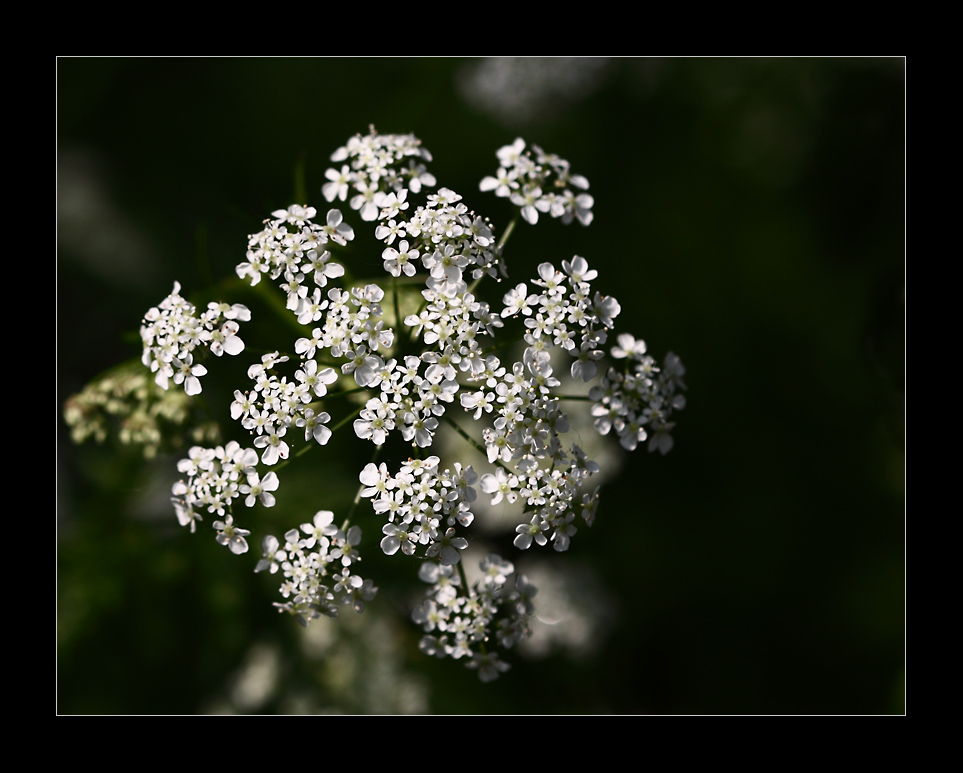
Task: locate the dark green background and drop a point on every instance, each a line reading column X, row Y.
column 749, row 216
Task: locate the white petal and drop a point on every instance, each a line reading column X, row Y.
column 233, row 345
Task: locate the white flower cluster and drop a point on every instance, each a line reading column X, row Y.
column 540, row 184
column 373, row 170
column 415, row 390
column 447, row 238
column 215, row 478
column 172, row 331
column 291, row 246
column 414, row 369
column 644, row 396
column 423, row 505
column 317, row 569
column 275, row 405
column 527, row 433
column 460, row 623
column 566, row 315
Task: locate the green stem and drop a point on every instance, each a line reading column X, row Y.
column 474, row 285
column 508, row 232
column 304, row 450
column 347, row 418
column 277, row 304
column 496, row 347
column 464, row 578
column 404, row 279
column 498, row 250
column 311, row 444
column 394, row 292
column 343, row 393
column 478, row 446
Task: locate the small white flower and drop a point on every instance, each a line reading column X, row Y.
column 227, row 340
column 274, row 447
column 447, row 547
column 628, row 346
column 188, row 374
column 396, row 537
column 503, row 183
column 578, row 269
column 534, row 530
column 584, row 367
column 321, row 527
column 231, row 535
column 314, row 426
column 518, row 301
column 337, row 185
column 273, row 557
column 501, row 485
column 186, row 515
column 255, row 488
column 401, row 260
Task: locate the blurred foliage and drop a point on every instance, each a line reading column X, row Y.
column 749, row 215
